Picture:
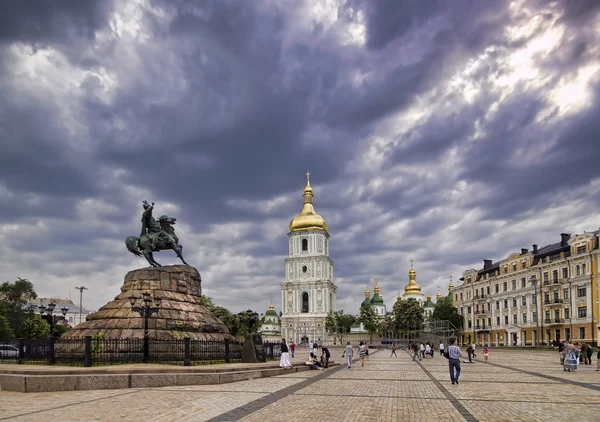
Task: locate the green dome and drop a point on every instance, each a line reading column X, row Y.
column 377, row 299
column 428, row 304
column 271, row 311
column 366, row 302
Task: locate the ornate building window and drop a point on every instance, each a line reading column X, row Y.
column 304, row 245
column 305, row 302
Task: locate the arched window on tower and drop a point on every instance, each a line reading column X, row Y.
column 305, row 302
column 304, row 244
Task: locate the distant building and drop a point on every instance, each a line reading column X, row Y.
column 73, row 316
column 271, row 325
column 533, row 296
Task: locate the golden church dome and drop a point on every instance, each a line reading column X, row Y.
column 412, row 288
column 271, row 307
column 308, row 219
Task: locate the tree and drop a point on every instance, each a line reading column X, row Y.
column 369, row 320
column 408, row 315
column 338, row 323
column 386, row 326
column 446, row 311
column 13, row 300
column 248, row 322
column 35, row 327
column 60, row 329
column 6, row 330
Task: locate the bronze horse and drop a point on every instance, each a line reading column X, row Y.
column 143, row 245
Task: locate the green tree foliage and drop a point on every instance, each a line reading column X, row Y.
column 248, row 322
column 60, row 329
column 338, row 323
column 238, row 324
column 386, row 326
column 6, row 330
column 369, row 320
column 408, row 315
column 13, row 300
column 445, row 311
column 34, row 327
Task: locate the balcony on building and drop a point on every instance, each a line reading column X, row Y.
column 547, row 321
column 559, row 320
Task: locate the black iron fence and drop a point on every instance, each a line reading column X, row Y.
column 103, row 351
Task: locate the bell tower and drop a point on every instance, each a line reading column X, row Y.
column 308, row 293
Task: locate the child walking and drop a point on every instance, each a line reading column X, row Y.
column 485, row 353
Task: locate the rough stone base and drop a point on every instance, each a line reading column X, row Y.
column 181, row 313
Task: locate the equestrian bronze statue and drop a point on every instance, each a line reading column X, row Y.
column 157, row 235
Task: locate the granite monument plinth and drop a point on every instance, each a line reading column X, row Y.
column 181, row 313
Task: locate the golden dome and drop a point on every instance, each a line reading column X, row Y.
column 450, row 286
column 412, row 288
column 376, row 289
column 428, row 297
column 367, row 293
column 271, row 307
column 308, row 219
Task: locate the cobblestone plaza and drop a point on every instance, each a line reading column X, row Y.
column 516, row 385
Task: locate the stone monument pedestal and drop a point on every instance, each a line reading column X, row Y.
column 180, row 315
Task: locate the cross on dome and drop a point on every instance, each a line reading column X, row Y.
column 308, row 176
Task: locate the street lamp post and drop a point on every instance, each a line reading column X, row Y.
column 146, row 310
column 81, row 289
column 49, row 310
column 537, row 315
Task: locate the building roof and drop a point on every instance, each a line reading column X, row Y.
column 60, row 303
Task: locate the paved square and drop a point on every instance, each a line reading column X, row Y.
column 515, row 385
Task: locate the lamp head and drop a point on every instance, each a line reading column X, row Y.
column 64, row 310
column 51, row 307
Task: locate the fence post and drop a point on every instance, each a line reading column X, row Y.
column 186, row 352
column 21, row 350
column 87, row 351
column 51, row 355
column 227, row 351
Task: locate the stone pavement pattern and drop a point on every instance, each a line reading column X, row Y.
column 516, row 385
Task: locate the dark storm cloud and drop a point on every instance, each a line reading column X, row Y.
column 43, row 23
column 223, row 103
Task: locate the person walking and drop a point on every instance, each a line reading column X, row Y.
column 325, row 355
column 454, row 355
column 415, row 348
column 362, row 353
column 284, row 360
column 441, row 349
column 348, row 354
column 598, row 360
column 394, row 352
column 485, row 353
column 292, row 348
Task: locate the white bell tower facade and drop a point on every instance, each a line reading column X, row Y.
column 308, row 293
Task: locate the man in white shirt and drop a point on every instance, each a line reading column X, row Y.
column 454, row 355
column 441, row 349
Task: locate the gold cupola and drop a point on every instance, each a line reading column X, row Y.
column 412, row 288
column 308, row 219
column 438, row 295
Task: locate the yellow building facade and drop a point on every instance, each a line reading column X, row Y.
column 534, row 296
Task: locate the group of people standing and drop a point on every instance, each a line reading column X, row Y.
column 578, row 353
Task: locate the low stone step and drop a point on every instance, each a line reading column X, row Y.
column 27, row 383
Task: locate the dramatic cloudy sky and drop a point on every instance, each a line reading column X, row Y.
column 443, row 131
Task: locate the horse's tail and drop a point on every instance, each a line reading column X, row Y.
column 132, row 245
